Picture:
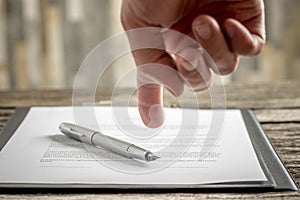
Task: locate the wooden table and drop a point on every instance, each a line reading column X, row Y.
column 276, row 105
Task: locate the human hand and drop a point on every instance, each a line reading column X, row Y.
column 225, row 29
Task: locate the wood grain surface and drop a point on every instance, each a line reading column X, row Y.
column 277, row 107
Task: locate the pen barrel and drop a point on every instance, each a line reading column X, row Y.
column 119, row 147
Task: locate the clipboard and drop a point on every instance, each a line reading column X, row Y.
column 274, row 169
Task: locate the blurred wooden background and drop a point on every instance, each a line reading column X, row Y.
column 43, row 42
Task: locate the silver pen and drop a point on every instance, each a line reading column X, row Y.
column 106, row 142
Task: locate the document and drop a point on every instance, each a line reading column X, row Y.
column 190, row 153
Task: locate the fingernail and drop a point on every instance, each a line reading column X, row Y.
column 153, row 116
column 203, row 31
column 156, row 116
column 187, row 66
column 230, row 31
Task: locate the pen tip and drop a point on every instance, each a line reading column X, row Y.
column 152, row 157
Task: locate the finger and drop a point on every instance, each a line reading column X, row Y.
column 192, row 63
column 242, row 41
column 159, row 72
column 148, row 48
column 150, row 104
column 192, row 66
column 208, row 33
column 150, row 77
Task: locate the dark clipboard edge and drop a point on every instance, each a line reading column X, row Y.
column 12, row 125
column 266, row 155
column 273, row 167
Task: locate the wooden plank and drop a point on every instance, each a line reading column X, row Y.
column 73, row 37
column 156, row 195
column 278, row 115
column 285, row 137
column 263, row 95
column 32, row 29
column 21, row 73
column 55, row 70
column 14, row 36
column 256, row 96
column 4, row 72
column 45, row 97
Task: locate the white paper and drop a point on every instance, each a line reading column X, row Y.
column 39, row 153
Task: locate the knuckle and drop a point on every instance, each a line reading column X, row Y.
column 199, row 83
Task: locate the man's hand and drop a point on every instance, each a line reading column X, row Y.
column 225, row 29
